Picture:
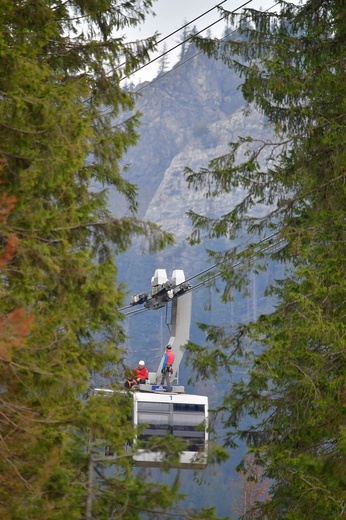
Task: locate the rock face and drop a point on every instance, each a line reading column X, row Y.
column 189, row 115
column 173, row 199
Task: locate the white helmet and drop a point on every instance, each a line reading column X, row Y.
column 141, row 363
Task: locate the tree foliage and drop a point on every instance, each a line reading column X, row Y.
column 293, row 67
column 65, row 123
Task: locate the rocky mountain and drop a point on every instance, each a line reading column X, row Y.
column 189, row 116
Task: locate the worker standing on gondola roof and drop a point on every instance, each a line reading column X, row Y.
column 139, row 375
column 167, row 367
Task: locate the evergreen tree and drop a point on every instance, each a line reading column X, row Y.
column 163, row 61
column 184, row 40
column 64, row 125
column 293, row 67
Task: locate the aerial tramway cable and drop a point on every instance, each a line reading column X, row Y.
column 172, row 34
column 277, row 245
column 186, row 40
column 191, row 57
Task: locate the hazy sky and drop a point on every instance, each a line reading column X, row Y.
column 171, row 15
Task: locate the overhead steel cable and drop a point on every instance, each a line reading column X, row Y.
column 127, row 307
column 197, row 53
column 165, row 38
column 278, row 244
column 191, row 21
column 281, row 245
column 137, row 311
column 184, row 41
column 172, row 34
column 176, row 46
column 265, row 239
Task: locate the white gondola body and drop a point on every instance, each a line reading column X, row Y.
column 181, row 415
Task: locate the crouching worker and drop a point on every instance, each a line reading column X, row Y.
column 139, row 375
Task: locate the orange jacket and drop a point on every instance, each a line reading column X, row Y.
column 141, row 372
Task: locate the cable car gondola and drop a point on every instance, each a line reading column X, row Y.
column 157, row 412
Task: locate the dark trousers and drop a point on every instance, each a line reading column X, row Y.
column 166, row 377
column 130, row 382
